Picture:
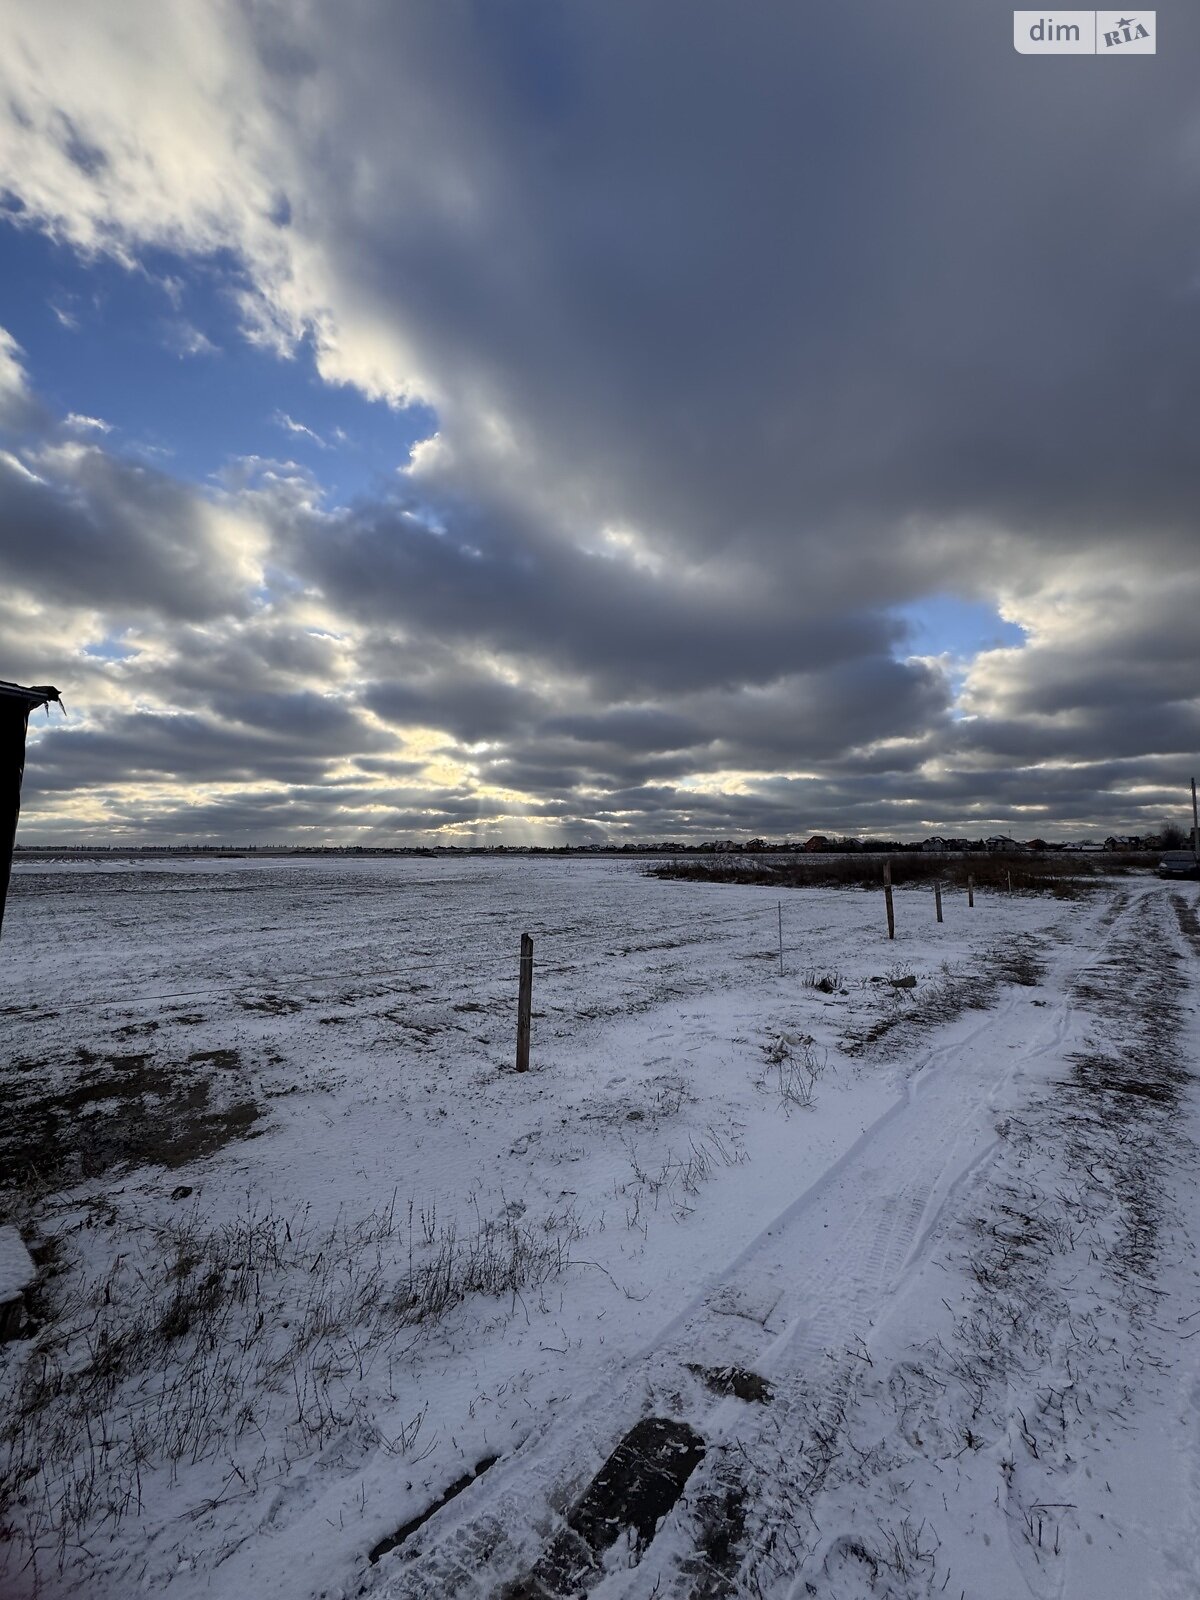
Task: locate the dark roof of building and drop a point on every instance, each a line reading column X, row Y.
column 35, row 695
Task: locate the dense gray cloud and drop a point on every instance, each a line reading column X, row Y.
column 85, row 527
column 749, row 281
column 469, row 707
column 203, row 750
column 547, row 600
column 745, row 327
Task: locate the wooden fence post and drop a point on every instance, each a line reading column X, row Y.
column 524, row 1003
column 937, row 899
column 887, row 896
column 970, row 888
column 1008, row 875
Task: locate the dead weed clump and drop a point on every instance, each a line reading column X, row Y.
column 247, row 1343
column 673, row 1179
column 792, row 1067
column 911, row 1013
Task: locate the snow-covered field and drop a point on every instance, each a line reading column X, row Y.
column 905, row 1271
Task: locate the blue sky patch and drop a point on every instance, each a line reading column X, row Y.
column 157, row 354
column 942, row 623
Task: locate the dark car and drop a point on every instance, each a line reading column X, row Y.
column 1179, row 864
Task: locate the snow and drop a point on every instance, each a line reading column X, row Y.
column 917, row 1213
column 17, row 1271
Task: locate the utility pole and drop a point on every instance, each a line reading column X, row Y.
column 16, row 703
column 1195, row 827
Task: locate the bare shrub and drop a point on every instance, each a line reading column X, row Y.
column 1050, row 872
column 792, row 1069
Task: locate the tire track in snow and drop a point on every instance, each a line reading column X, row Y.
column 877, row 1223
column 807, row 1285
column 1132, row 1000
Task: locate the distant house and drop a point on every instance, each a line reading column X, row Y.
column 1124, row 841
column 959, row 844
column 1001, row 844
column 936, row 843
column 1037, row 844
column 817, row 842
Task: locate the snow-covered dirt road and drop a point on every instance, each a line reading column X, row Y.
column 901, row 1361
column 816, row 1284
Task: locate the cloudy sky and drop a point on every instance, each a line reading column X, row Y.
column 552, row 420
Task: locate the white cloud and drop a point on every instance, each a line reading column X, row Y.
column 16, row 400
column 82, row 424
column 15, row 465
column 185, row 339
column 159, row 125
column 65, row 315
column 282, row 420
column 427, row 457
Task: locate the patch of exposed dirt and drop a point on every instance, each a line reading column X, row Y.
column 217, row 1058
column 737, row 1381
column 274, row 1005
column 720, row 1540
column 119, row 1110
column 135, row 1029
column 628, row 1498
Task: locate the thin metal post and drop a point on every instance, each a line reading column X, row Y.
column 970, row 888
column 937, row 899
column 524, row 1003
column 887, row 897
column 1195, row 826
column 780, row 938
